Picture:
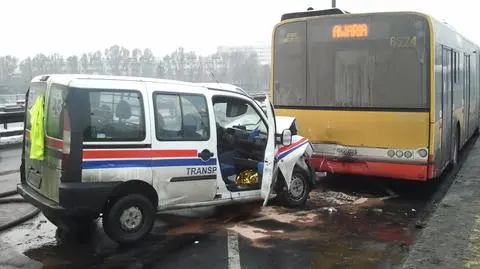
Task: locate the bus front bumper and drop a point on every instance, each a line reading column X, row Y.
column 404, row 171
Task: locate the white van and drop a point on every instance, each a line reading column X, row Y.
column 124, row 148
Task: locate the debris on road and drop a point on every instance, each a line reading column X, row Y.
column 333, row 197
column 331, row 210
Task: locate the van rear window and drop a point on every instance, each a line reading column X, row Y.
column 36, row 89
column 54, row 111
column 116, row 115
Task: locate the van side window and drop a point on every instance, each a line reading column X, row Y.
column 181, row 117
column 116, row 116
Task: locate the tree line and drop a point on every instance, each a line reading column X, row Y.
column 239, row 66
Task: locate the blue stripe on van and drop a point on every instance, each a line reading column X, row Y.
column 103, row 164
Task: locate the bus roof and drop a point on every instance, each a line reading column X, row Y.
column 304, row 14
column 312, row 14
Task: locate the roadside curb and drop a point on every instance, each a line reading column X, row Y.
column 450, row 238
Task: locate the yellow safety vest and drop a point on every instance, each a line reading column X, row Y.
column 37, row 133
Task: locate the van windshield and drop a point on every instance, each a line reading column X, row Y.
column 361, row 61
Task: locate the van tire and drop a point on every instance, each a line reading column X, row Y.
column 129, row 218
column 300, row 188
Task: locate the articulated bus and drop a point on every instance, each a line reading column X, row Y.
column 385, row 94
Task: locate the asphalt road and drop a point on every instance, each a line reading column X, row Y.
column 334, row 231
column 349, row 222
column 9, row 158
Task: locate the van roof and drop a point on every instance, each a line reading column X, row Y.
column 70, row 79
column 78, row 80
column 223, row 86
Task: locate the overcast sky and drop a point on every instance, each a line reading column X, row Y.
column 74, row 26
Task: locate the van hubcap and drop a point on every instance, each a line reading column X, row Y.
column 297, row 187
column 131, row 218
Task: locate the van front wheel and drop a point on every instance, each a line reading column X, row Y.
column 129, row 218
column 297, row 195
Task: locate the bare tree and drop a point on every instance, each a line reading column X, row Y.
column 237, row 66
column 8, row 64
column 113, row 58
column 84, row 63
column 135, row 63
column 72, row 64
column 147, row 62
column 26, row 69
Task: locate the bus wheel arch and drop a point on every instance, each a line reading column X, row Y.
column 456, row 144
column 459, row 135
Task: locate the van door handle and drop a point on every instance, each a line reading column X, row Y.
column 205, row 154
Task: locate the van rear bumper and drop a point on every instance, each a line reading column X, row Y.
column 76, row 199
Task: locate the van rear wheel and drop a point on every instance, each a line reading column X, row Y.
column 129, row 218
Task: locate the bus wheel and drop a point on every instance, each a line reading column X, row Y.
column 297, row 195
column 129, row 218
column 455, row 149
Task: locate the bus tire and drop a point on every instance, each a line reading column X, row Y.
column 297, row 195
column 456, row 143
column 129, row 218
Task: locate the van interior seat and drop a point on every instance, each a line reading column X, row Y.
column 160, row 124
column 123, row 111
column 190, row 123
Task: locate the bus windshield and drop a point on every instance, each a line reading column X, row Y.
column 361, row 61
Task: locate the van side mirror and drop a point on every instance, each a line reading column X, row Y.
column 286, row 137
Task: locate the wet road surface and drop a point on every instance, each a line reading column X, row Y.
column 349, row 222
column 9, row 157
column 332, row 232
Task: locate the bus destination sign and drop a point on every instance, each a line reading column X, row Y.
column 354, row 30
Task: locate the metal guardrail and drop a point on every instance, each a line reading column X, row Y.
column 11, row 117
column 11, row 133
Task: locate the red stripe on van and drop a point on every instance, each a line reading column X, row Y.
column 135, row 153
column 283, row 149
column 51, row 142
column 54, row 143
